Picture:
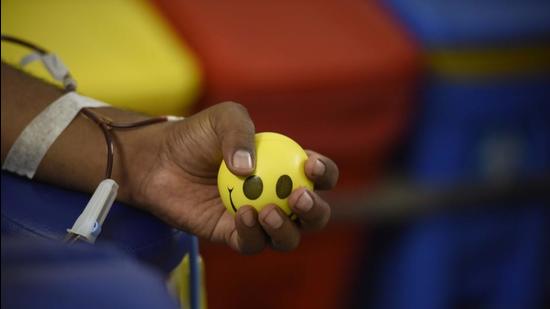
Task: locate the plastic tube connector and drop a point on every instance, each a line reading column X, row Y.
column 89, row 223
column 53, row 64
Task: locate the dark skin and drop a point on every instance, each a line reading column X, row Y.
column 170, row 169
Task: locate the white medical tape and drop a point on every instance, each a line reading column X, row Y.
column 174, row 118
column 53, row 64
column 33, row 143
column 30, row 58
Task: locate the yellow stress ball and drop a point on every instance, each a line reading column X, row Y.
column 279, row 170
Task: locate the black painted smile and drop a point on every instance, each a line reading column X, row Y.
column 291, row 215
column 231, row 200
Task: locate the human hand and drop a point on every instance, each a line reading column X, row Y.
column 177, row 178
column 169, row 169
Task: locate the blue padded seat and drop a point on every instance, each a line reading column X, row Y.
column 38, row 210
column 48, row 274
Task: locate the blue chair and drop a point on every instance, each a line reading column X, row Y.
column 474, row 128
column 40, row 273
column 38, row 210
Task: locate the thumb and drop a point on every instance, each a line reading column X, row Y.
column 235, row 132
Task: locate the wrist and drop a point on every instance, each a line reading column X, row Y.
column 136, row 150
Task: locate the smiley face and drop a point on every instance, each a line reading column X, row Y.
column 279, row 170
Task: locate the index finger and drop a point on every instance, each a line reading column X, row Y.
column 322, row 170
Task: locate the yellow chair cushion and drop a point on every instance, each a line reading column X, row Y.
column 180, row 283
column 120, row 52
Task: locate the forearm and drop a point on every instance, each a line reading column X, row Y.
column 77, row 159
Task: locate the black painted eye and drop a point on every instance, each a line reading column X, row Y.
column 253, row 187
column 284, row 186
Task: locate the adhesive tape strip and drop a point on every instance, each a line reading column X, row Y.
column 33, row 143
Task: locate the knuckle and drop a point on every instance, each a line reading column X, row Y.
column 336, row 175
column 289, row 244
column 238, row 115
column 324, row 219
column 294, row 243
column 321, row 217
column 251, row 250
column 332, row 176
column 233, row 106
column 249, row 245
column 323, row 222
column 333, row 181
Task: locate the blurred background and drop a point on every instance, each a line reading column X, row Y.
column 436, row 111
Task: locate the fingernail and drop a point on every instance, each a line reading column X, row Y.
column 319, row 168
column 248, row 218
column 242, row 159
column 273, row 219
column 305, row 202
